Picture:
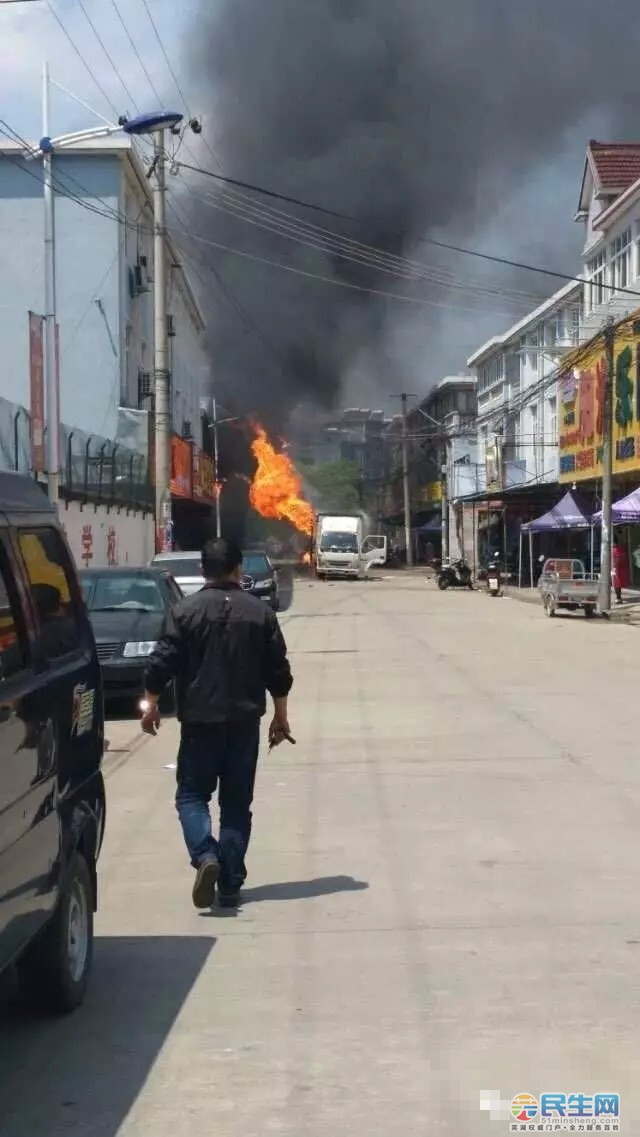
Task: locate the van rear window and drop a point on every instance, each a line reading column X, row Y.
column 50, row 574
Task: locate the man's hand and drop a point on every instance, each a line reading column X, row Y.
column 150, row 721
column 279, row 731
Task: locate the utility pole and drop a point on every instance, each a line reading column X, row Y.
column 162, row 416
column 445, row 505
column 215, row 459
column 52, row 394
column 405, row 482
column 604, row 588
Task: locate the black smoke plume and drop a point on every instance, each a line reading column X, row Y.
column 465, row 119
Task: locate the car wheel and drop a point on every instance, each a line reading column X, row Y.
column 54, row 971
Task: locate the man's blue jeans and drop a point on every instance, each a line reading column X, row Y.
column 222, row 756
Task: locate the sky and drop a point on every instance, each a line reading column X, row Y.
column 30, row 34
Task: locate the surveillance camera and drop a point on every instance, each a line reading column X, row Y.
column 196, row 125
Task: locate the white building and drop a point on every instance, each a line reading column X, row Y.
column 609, row 210
column 517, row 392
column 104, row 276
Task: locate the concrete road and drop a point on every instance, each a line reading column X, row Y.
column 442, row 900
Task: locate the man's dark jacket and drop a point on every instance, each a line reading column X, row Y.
column 225, row 650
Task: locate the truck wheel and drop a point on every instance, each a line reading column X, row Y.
column 54, row 971
column 589, row 611
column 443, row 581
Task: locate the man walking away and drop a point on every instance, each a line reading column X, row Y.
column 224, row 650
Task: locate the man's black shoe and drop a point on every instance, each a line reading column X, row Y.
column 228, row 899
column 204, row 888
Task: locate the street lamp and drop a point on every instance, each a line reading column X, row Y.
column 155, row 124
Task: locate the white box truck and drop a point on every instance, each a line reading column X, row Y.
column 343, row 546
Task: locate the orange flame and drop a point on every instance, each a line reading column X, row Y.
column 276, row 489
column 306, row 558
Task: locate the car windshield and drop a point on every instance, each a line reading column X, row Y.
column 339, row 543
column 254, row 563
column 119, row 592
column 181, row 566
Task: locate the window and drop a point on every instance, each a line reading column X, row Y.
column 50, row 575
column 596, row 273
column 121, row 591
column 575, row 320
column 621, row 260
column 13, row 640
column 533, row 346
column 553, row 421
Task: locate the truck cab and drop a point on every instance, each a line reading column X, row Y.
column 344, row 548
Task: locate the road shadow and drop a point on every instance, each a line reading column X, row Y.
column 84, row 1072
column 303, row 889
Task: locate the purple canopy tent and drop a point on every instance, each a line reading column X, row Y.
column 624, row 512
column 571, row 512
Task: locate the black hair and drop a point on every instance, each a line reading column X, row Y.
column 220, row 558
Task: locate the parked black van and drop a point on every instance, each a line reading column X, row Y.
column 52, row 800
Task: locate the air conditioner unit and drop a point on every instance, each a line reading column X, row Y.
column 139, row 280
column 144, row 263
column 145, row 385
column 186, row 428
column 171, row 326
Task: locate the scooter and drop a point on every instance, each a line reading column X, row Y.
column 456, row 574
column 494, row 577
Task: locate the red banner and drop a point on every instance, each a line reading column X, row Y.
column 36, row 384
column 181, row 467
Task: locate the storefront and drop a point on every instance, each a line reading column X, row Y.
column 581, row 411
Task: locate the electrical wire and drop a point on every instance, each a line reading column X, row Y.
column 567, row 277
column 114, row 4
column 335, row 247
column 81, row 57
column 109, row 56
column 298, row 226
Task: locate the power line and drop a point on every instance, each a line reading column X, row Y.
column 109, row 56
column 81, row 57
column 567, row 277
column 114, row 4
column 335, row 246
column 166, row 57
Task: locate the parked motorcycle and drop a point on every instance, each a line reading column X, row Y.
column 495, row 576
column 456, row 574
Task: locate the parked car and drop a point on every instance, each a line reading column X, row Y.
column 260, row 578
column 185, row 567
column 126, row 608
column 52, row 797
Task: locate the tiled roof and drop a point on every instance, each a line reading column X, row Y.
column 617, row 163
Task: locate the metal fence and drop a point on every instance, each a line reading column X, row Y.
column 93, row 468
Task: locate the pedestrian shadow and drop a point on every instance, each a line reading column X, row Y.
column 303, row 889
column 83, row 1073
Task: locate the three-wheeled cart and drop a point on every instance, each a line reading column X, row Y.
column 565, row 584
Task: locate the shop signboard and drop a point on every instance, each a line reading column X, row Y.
column 181, row 467
column 207, row 477
column 581, row 390
column 432, row 493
